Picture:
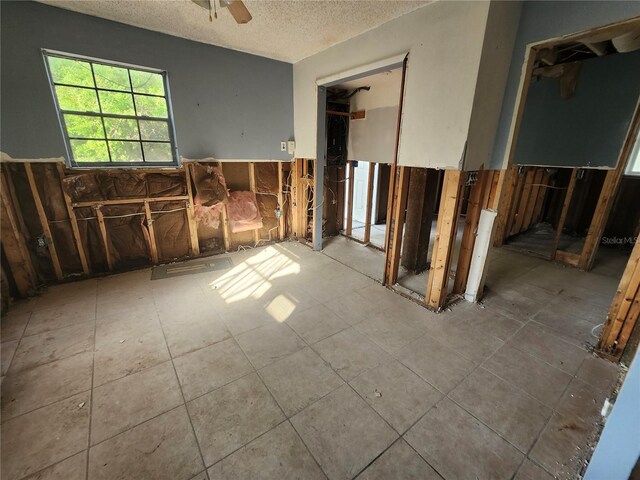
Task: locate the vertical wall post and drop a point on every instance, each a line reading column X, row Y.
column 565, row 210
column 44, row 222
column 367, row 215
column 446, row 232
column 350, row 182
column 624, row 311
column 469, row 234
column 280, row 201
column 396, row 226
column 191, row 215
column 320, row 164
column 74, row 222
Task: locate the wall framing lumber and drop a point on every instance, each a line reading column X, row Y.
column 350, row 185
column 532, row 199
column 44, row 222
column 153, row 247
column 226, row 233
column 518, row 225
column 515, row 203
column 252, row 187
column 130, row 201
column 281, row 226
column 104, row 235
column 504, row 197
column 563, row 214
column 13, row 244
column 395, row 226
column 74, row 222
column 446, row 232
column 193, row 227
column 369, row 202
column 474, row 208
column 624, row 311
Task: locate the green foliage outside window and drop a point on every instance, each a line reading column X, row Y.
column 112, row 113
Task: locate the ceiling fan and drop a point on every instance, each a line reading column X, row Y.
column 237, row 9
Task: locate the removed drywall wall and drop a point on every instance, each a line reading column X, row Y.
column 587, row 129
column 226, row 104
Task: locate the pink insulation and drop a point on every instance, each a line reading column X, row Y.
column 243, row 212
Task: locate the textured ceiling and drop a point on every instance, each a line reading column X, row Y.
column 287, row 30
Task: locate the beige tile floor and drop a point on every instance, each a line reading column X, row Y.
column 292, row 365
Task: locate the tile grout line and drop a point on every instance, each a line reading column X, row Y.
column 184, row 401
column 93, row 366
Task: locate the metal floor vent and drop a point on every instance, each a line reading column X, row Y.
column 190, row 267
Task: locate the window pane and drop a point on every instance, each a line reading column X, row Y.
column 151, row 106
column 157, row 152
column 151, row 130
column 125, row 152
column 114, row 78
column 72, row 72
column 89, row 150
column 121, row 128
column 147, row 82
column 118, row 103
column 85, row 127
column 77, row 99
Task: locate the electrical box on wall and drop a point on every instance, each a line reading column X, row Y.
column 283, row 146
column 291, row 147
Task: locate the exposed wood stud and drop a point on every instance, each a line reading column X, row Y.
column 474, row 208
column 226, row 234
column 515, row 203
column 624, row 310
column 367, row 215
column 446, row 232
column 13, row 244
column 104, row 235
column 505, row 194
column 252, row 187
column 152, row 234
column 396, row 226
column 537, row 212
column 44, row 222
column 191, row 214
column 351, row 182
column 518, row 226
column 532, row 198
column 281, row 226
column 73, row 220
column 563, row 214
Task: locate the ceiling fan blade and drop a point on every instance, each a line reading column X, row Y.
column 206, row 4
column 238, row 10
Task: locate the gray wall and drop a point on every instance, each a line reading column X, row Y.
column 588, row 129
column 226, row 104
column 544, row 20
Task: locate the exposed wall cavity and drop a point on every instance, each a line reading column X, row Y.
column 226, row 104
column 589, row 128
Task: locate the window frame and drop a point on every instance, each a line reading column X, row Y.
column 175, row 162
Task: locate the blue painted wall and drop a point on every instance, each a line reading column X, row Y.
column 588, row 129
column 619, row 445
column 226, row 104
column 542, row 21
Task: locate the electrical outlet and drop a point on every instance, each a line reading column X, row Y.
column 291, row 146
column 283, row 146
